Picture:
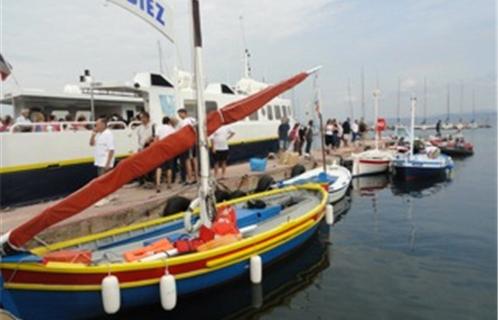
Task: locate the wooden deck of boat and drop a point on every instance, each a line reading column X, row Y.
column 133, row 203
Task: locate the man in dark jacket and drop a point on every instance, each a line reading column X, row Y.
column 283, row 134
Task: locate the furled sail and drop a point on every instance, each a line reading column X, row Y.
column 143, row 162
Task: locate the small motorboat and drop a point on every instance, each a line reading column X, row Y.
column 455, row 147
column 337, row 177
column 431, row 164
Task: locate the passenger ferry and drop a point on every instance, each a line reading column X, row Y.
column 47, row 160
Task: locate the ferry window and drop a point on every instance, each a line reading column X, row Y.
column 278, row 114
column 263, row 112
column 226, row 89
column 289, row 111
column 284, row 111
column 254, row 116
column 270, row 112
column 191, row 107
column 157, row 80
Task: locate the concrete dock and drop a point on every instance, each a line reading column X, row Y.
column 132, row 203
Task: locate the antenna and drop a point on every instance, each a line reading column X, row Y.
column 398, row 107
column 245, row 53
column 363, row 92
column 350, row 100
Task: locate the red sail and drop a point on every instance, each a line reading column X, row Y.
column 143, row 162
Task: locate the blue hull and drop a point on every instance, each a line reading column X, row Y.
column 411, row 173
column 29, row 304
column 32, row 186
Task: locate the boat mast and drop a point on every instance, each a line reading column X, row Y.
column 448, row 104
column 412, row 125
column 473, row 105
column 245, row 51
column 350, row 100
column 376, row 94
column 204, row 191
column 425, row 100
column 320, row 119
column 398, row 107
column 461, row 100
column 363, row 92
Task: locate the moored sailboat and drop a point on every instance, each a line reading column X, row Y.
column 430, row 164
column 372, row 161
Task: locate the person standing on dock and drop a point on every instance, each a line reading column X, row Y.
column 219, row 144
column 145, row 131
column 354, row 130
column 188, row 160
column 309, row 137
column 283, row 135
column 162, row 132
column 346, row 131
column 438, row 128
column 103, row 141
column 362, row 129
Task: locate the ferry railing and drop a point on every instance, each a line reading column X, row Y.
column 63, row 126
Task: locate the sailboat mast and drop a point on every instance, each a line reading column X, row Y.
column 412, row 125
column 473, row 105
column 320, row 119
column 363, row 92
column 245, row 50
column 350, row 100
column 204, row 191
column 376, row 94
column 398, row 106
column 425, row 100
column 461, row 99
column 448, row 104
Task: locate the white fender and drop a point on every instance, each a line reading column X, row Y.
column 111, row 295
column 329, row 214
column 187, row 216
column 256, row 269
column 167, row 290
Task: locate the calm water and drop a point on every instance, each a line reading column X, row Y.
column 399, row 252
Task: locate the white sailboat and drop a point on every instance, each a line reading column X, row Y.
column 372, row 161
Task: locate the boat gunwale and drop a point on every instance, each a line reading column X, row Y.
column 188, row 258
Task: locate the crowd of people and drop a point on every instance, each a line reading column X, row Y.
column 186, row 164
column 336, row 134
column 37, row 121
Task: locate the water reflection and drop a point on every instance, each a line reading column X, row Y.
column 367, row 186
column 418, row 188
column 240, row 299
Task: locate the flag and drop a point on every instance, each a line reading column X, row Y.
column 5, row 68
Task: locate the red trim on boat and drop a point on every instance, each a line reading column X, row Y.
column 49, row 278
column 375, row 161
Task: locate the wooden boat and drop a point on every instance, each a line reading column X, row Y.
column 372, row 161
column 431, row 164
column 336, row 177
column 455, row 147
column 35, row 288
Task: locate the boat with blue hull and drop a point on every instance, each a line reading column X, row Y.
column 430, row 164
column 421, row 166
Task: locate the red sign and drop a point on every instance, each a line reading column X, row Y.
column 381, row 124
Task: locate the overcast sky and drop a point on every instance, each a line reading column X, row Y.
column 50, row 42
